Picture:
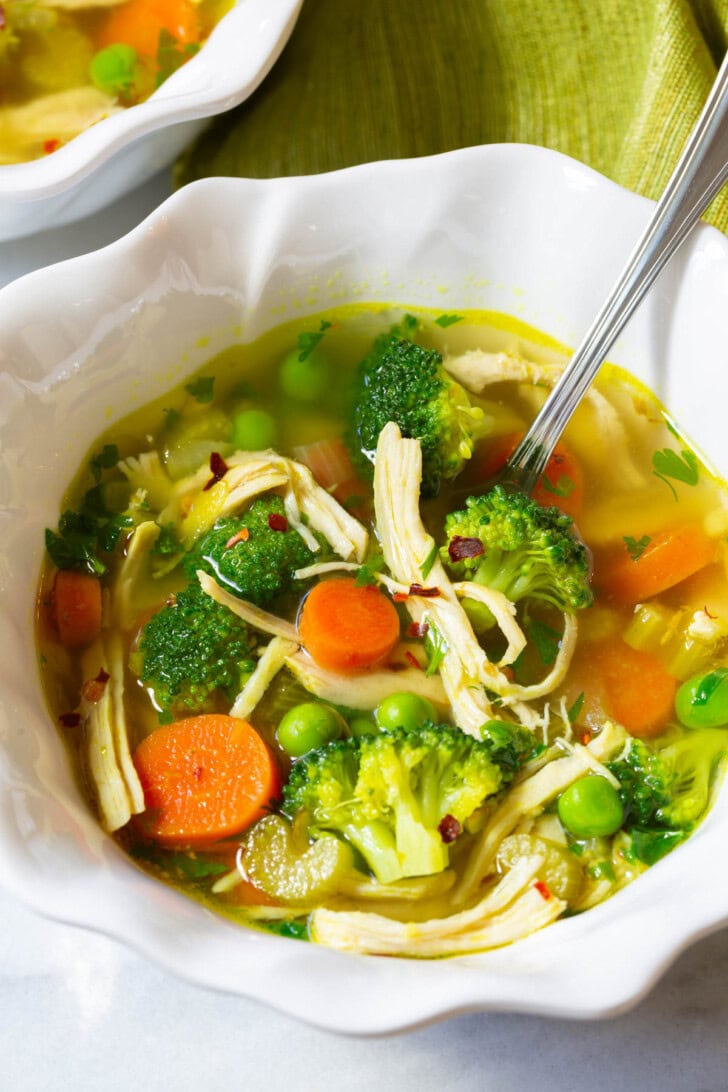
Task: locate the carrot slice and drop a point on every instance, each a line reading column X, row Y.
column 76, row 607
column 347, row 628
column 631, row 685
column 561, row 485
column 668, row 558
column 139, row 22
column 204, row 778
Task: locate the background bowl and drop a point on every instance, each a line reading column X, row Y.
column 126, row 149
column 510, row 228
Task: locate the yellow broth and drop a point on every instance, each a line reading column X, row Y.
column 642, row 483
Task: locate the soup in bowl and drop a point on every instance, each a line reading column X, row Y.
column 307, row 663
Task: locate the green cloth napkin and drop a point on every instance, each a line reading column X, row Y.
column 617, row 84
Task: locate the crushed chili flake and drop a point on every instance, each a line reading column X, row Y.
column 93, row 690
column 412, row 659
column 460, row 547
column 70, row 720
column 449, row 828
column 424, row 593
column 277, row 522
column 3, row 22
column 400, row 596
column 242, row 536
column 417, row 629
column 218, row 469
column 543, row 889
column 585, row 737
column 51, row 145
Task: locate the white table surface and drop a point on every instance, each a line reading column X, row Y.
column 81, row 1012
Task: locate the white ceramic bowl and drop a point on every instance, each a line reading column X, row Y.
column 512, row 228
column 126, row 149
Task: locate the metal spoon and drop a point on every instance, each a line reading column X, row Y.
column 699, row 175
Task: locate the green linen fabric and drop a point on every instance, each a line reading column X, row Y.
column 617, row 84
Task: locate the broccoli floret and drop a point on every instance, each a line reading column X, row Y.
column 399, row 797
column 192, row 653
column 666, row 792
column 507, row 541
column 404, row 382
column 255, row 555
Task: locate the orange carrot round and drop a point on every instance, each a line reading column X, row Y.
column 347, row 628
column 636, row 689
column 76, row 607
column 204, row 778
column 666, row 559
column 561, row 485
column 139, row 22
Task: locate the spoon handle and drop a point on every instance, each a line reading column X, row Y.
column 699, row 175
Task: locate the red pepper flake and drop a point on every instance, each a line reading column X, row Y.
column 51, row 145
column 585, row 737
column 412, row 660
column 93, row 690
column 242, row 536
column 449, row 828
column 424, row 593
column 277, row 522
column 460, row 547
column 69, row 720
column 543, row 890
column 400, row 597
column 218, row 469
column 3, row 21
column 417, row 629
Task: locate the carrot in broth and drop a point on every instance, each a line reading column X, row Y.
column 346, row 628
column 138, row 23
column 667, row 558
column 633, row 686
column 204, row 778
column 561, row 485
column 76, row 607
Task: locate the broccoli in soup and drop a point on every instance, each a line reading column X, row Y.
column 66, row 64
column 317, row 669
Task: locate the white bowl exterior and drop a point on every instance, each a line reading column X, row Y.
column 509, row 228
column 126, row 149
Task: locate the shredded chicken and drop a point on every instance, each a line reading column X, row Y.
column 268, row 666
column 125, row 600
column 308, row 507
column 367, row 690
column 118, row 789
column 254, row 616
column 477, row 370
column 513, row 909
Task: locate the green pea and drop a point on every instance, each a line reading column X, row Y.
column 305, row 380
column 254, row 430
column 308, row 726
column 362, row 726
column 113, row 69
column 702, row 702
column 404, row 710
column 591, row 807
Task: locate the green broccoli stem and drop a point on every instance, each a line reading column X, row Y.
column 376, row 844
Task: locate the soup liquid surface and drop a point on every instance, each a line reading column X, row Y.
column 654, row 519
